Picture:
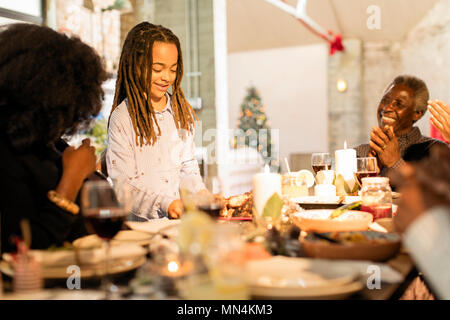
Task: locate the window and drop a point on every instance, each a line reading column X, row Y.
column 12, row 11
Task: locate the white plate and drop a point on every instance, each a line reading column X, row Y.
column 292, row 278
column 91, row 260
column 318, row 220
column 86, row 271
column 163, row 225
column 125, row 236
column 327, row 200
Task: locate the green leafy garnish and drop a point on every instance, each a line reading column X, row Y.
column 342, row 187
column 273, row 207
column 336, row 213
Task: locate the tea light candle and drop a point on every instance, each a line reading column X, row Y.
column 265, row 184
column 175, row 268
column 346, row 164
column 325, row 190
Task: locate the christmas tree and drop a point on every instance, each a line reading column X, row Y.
column 255, row 130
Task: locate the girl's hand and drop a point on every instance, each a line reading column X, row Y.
column 175, row 209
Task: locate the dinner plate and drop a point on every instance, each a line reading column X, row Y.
column 162, row 226
column 55, row 264
column 319, row 220
column 292, row 278
column 314, row 202
column 125, row 236
column 117, row 266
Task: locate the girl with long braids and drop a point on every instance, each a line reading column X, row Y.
column 151, row 132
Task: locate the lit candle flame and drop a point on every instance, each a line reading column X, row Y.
column 345, row 144
column 173, row 266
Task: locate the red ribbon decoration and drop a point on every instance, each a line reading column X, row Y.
column 336, row 45
column 335, row 40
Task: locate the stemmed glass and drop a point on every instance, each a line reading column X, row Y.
column 104, row 210
column 320, row 161
column 211, row 200
column 366, row 167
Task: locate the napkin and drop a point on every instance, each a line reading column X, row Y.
column 154, row 225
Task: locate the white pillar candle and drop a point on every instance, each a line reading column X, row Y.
column 325, row 190
column 346, row 164
column 265, row 184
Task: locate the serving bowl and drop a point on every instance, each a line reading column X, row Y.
column 356, row 245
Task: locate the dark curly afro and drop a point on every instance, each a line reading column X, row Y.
column 50, row 84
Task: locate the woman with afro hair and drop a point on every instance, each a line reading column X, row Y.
column 50, row 87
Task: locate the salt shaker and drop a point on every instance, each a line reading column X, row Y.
column 27, row 272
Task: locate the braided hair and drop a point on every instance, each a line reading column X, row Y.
column 133, row 82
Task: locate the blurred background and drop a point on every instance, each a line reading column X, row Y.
column 250, row 64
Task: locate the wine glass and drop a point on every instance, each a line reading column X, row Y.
column 188, row 185
column 104, row 210
column 211, row 200
column 320, row 161
column 366, row 167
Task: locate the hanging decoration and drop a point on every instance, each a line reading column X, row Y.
column 334, row 40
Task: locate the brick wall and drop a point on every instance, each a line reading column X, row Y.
column 425, row 53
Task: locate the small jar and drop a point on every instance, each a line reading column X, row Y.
column 376, row 196
column 291, row 188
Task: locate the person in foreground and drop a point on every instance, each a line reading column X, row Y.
column 151, row 132
column 424, row 216
column 50, row 86
column 396, row 139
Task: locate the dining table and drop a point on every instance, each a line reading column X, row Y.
column 57, row 288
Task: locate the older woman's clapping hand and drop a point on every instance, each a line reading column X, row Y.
column 440, row 117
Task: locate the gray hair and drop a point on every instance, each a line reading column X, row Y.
column 418, row 86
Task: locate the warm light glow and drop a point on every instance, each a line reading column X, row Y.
column 173, row 266
column 345, row 144
column 266, row 169
column 341, row 85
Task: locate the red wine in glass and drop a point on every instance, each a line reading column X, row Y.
column 321, row 167
column 106, row 223
column 212, row 209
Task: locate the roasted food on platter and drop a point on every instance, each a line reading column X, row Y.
column 242, row 206
column 238, row 206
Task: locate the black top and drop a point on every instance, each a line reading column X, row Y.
column 25, row 179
